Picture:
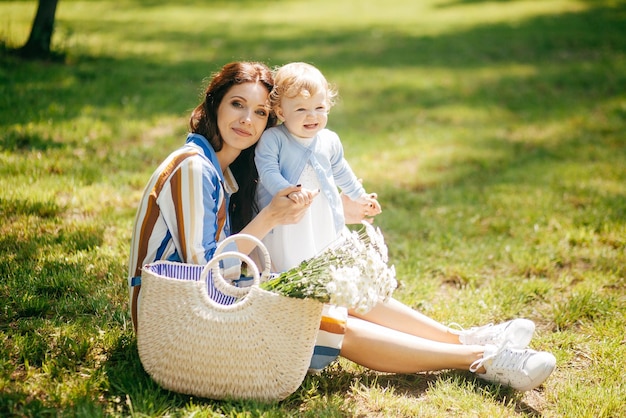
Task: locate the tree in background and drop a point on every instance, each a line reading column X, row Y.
column 38, row 44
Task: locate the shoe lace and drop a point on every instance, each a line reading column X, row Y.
column 483, row 331
column 503, row 358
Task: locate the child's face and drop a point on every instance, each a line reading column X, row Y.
column 304, row 116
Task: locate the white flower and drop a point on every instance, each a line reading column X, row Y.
column 352, row 272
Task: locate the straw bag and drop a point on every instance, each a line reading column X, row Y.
column 202, row 336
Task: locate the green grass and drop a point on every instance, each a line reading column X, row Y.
column 493, row 132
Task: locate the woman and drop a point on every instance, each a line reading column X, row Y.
column 205, row 191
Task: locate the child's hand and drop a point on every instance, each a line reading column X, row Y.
column 303, row 196
column 370, row 205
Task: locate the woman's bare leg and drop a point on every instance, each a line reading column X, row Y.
column 397, row 316
column 387, row 350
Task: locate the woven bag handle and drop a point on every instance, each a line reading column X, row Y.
column 220, row 283
column 267, row 262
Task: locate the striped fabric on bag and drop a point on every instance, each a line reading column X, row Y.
column 182, row 271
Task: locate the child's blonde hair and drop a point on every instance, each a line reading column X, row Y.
column 300, row 79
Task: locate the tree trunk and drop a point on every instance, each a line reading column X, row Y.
column 38, row 44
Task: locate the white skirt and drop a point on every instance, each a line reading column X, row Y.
column 289, row 245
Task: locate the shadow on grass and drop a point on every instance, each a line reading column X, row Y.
column 132, row 386
column 21, row 403
column 130, row 383
column 42, row 276
column 559, row 46
column 503, row 395
column 575, row 57
column 135, row 391
column 577, row 60
column 17, row 140
column 22, row 207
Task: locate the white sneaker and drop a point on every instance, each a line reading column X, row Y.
column 520, row 369
column 516, row 333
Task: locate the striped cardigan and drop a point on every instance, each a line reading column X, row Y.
column 182, row 214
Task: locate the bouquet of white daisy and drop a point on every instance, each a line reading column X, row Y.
column 352, row 272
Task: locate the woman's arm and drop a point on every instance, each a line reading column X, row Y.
column 189, row 204
column 280, row 211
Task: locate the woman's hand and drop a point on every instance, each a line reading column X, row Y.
column 287, row 211
column 303, row 196
column 281, row 211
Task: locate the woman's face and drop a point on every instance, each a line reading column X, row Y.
column 242, row 116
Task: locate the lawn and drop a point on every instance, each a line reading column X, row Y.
column 494, row 133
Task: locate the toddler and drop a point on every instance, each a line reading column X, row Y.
column 303, row 152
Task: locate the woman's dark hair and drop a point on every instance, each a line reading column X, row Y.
column 204, row 122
